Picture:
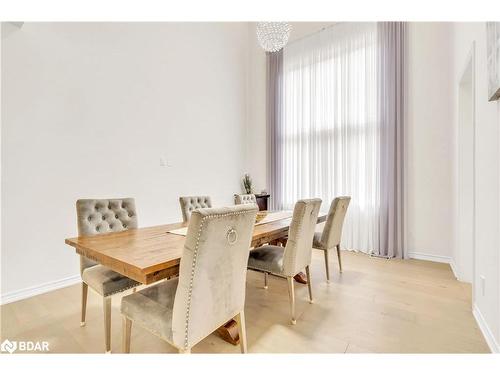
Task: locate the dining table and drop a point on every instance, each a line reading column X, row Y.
column 151, row 254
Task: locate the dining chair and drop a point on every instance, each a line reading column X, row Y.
column 332, row 232
column 95, row 217
column 244, row 198
column 296, row 255
column 189, row 204
column 210, row 289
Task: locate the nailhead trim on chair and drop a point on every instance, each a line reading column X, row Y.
column 193, row 266
column 124, row 289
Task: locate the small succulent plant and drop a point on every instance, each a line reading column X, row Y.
column 247, row 183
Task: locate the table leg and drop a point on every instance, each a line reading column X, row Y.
column 229, row 332
column 301, row 278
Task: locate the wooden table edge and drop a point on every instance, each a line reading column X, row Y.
column 153, row 273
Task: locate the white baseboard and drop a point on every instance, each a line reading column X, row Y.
column 430, row 257
column 485, row 329
column 39, row 289
column 454, row 269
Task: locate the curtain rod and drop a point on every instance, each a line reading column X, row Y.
column 325, row 28
column 315, row 32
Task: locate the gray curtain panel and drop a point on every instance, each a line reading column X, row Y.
column 391, row 56
column 274, row 110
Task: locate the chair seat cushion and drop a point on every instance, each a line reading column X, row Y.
column 267, row 258
column 152, row 308
column 317, row 241
column 105, row 281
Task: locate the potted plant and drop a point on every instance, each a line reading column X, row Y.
column 247, row 183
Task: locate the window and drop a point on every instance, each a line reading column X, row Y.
column 329, row 138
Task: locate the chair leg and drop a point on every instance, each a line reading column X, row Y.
column 291, row 294
column 240, row 320
column 106, row 301
column 265, row 280
column 327, row 266
column 309, row 286
column 338, row 255
column 85, row 289
column 126, row 331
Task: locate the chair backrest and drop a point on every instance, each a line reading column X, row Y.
column 189, row 204
column 97, row 216
column 244, row 198
column 332, row 232
column 212, row 274
column 300, row 236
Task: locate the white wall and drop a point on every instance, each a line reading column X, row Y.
column 256, row 136
column 87, row 111
column 462, row 252
column 487, row 115
column 430, row 142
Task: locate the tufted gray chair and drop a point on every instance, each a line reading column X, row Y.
column 210, row 289
column 296, row 255
column 189, row 204
column 244, row 198
column 94, row 217
column 332, row 232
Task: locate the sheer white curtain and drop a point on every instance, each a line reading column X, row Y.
column 329, row 141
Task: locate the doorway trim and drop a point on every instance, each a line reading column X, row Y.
column 470, row 60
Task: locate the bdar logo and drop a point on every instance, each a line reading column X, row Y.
column 24, row 346
column 8, row 346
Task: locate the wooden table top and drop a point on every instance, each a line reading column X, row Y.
column 151, row 254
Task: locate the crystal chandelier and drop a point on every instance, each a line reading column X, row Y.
column 273, row 36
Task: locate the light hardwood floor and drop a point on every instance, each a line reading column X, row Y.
column 374, row 306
